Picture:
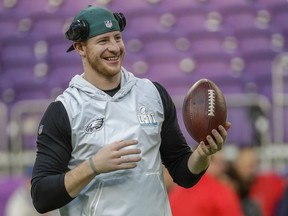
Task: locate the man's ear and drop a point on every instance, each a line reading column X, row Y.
column 80, row 47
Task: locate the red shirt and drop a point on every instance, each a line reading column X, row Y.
column 267, row 191
column 208, row 197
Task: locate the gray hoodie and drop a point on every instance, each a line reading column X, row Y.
column 134, row 112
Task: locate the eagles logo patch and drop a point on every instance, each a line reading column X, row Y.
column 95, row 125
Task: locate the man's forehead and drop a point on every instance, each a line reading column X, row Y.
column 108, row 34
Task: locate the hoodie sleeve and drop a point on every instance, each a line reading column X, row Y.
column 175, row 151
column 53, row 154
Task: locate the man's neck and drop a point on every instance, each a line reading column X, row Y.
column 112, row 92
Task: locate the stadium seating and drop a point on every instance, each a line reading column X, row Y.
column 47, row 24
column 237, row 17
column 206, row 41
column 234, row 43
column 253, row 40
column 9, row 26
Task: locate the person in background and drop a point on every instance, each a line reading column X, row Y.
column 267, row 190
column 101, row 144
column 20, row 203
column 211, row 196
column 242, row 172
column 282, row 208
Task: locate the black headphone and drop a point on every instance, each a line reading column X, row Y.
column 79, row 29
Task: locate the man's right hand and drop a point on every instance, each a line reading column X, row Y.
column 119, row 155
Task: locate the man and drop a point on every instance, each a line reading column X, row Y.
column 101, row 144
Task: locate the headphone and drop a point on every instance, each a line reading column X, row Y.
column 79, row 29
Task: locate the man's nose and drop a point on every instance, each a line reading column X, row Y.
column 113, row 46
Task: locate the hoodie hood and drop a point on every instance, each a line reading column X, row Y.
column 128, row 80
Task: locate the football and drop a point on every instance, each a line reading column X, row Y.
column 204, row 108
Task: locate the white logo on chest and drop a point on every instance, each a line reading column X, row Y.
column 95, row 125
column 146, row 118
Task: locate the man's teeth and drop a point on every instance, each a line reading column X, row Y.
column 113, row 59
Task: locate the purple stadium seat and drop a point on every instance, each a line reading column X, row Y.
column 167, row 70
column 240, row 125
column 47, row 24
column 189, row 20
column 254, row 40
column 213, row 65
column 135, row 63
column 179, row 90
column 143, row 22
column 13, row 74
column 216, row 4
column 206, row 42
column 218, row 68
column 268, row 3
column 9, row 26
column 31, row 90
column 61, row 72
column 258, row 70
column 160, row 44
column 57, row 47
column 183, row 4
column 17, row 48
column 23, row 9
column 21, row 81
column 71, row 7
column 258, row 66
column 237, row 17
column 279, row 15
column 135, row 6
column 230, row 85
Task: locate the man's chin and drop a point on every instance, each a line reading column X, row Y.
column 113, row 70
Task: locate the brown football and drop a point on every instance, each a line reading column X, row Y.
column 204, row 108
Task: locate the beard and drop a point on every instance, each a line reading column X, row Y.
column 102, row 66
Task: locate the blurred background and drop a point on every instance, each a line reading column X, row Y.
column 241, row 45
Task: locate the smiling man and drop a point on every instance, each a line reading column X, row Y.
column 101, row 144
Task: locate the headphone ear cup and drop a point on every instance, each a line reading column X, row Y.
column 78, row 31
column 121, row 20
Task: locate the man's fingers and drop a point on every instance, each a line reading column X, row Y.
column 123, row 143
column 218, row 137
column 227, row 125
column 124, row 148
column 130, row 159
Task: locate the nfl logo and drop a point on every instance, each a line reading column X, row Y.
column 40, row 130
column 108, row 23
